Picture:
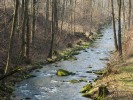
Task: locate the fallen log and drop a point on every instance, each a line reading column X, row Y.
column 10, row 73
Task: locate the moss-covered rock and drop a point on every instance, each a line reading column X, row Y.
column 28, row 76
column 86, row 88
column 78, row 81
column 74, row 53
column 72, row 59
column 82, row 80
column 74, row 81
column 49, row 60
column 62, row 72
column 68, row 55
column 97, row 93
column 100, row 72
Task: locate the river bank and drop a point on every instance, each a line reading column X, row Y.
column 24, row 70
column 118, row 81
column 118, row 75
column 47, row 85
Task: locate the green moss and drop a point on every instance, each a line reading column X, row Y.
column 87, row 95
column 98, row 93
column 78, row 81
column 62, row 72
column 91, row 93
column 128, row 69
column 49, row 60
column 69, row 54
column 28, row 76
column 72, row 58
column 74, row 53
column 86, row 88
column 101, row 72
column 82, row 80
column 74, row 81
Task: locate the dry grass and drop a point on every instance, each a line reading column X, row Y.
column 120, row 84
column 120, row 80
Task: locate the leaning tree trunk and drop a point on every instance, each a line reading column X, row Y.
column 14, row 23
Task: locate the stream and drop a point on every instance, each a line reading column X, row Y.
column 47, row 86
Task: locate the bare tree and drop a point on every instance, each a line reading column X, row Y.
column 119, row 28
column 14, row 23
column 114, row 27
column 130, row 10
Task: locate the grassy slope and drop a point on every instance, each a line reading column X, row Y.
column 119, row 82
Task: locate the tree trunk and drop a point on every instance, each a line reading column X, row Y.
column 62, row 16
column 91, row 16
column 129, row 18
column 124, row 20
column 12, row 34
column 23, row 45
column 53, row 29
column 47, row 17
column 119, row 29
column 114, row 28
column 33, row 21
column 28, row 40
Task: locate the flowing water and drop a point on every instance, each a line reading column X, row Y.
column 47, row 86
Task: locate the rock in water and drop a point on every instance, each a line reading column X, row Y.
column 62, row 72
